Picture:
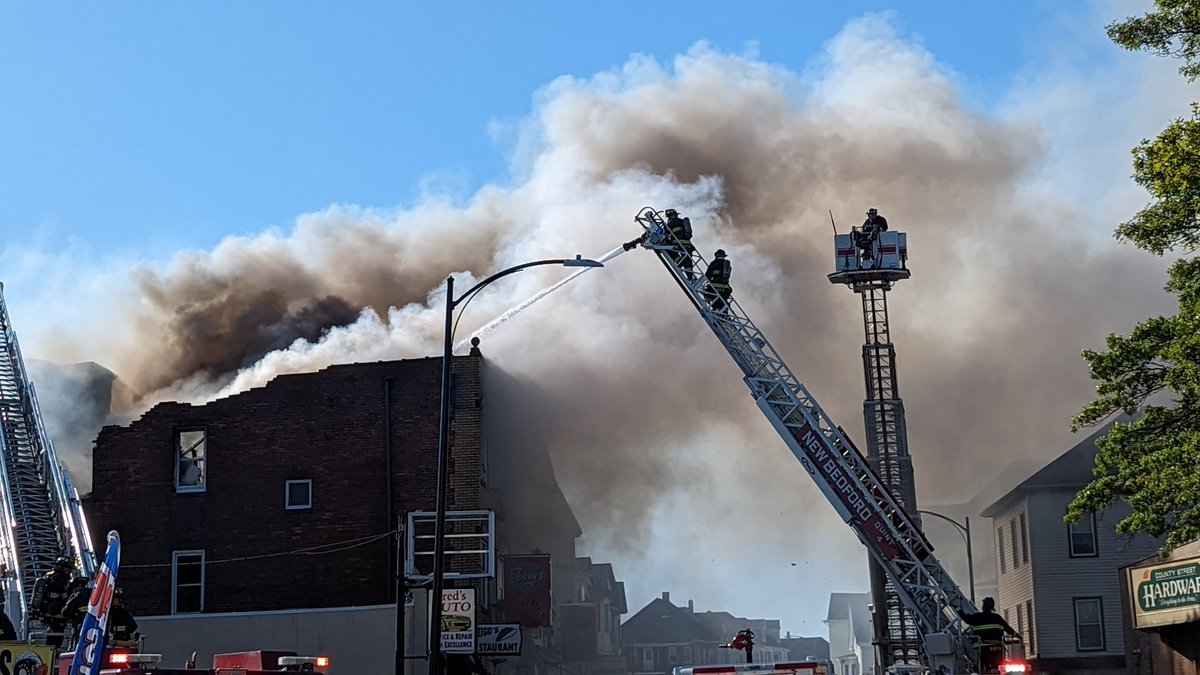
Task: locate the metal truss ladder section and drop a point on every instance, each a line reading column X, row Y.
column 887, row 452
column 43, row 518
column 841, row 472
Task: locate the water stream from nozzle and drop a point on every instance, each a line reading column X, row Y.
column 495, row 323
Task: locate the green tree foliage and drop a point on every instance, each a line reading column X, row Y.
column 1153, row 461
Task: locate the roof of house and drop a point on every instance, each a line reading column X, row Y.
column 604, row 582
column 661, row 622
column 1072, row 469
column 802, row 647
column 853, row 607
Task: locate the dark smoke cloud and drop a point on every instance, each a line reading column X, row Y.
column 666, row 460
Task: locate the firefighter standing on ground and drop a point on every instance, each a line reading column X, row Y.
column 718, row 276
column 122, row 627
column 990, row 628
column 8, row 632
column 50, row 594
column 681, row 229
column 75, row 608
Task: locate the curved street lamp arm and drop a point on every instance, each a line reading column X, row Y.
column 503, row 273
column 945, row 518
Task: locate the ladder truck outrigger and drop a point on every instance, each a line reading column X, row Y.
column 893, row 539
column 42, row 515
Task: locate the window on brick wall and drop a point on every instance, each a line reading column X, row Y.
column 191, row 466
column 297, row 495
column 483, row 459
column 187, row 580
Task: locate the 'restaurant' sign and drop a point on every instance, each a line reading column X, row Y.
column 499, row 639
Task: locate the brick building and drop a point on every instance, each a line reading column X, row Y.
column 284, row 499
column 201, row 493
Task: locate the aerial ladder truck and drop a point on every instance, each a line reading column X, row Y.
column 42, row 515
column 869, row 262
column 893, row 539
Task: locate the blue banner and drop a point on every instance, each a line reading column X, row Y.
column 89, row 648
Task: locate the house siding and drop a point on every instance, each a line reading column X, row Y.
column 1053, row 579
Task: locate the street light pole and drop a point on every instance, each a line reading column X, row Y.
column 443, row 460
column 965, row 531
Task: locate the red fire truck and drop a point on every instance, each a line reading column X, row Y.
column 122, row 661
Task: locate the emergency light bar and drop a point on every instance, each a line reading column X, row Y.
column 128, row 657
column 303, row 661
column 1014, row 668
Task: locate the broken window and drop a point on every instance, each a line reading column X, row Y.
column 191, row 466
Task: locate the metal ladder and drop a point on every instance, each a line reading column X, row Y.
column 840, row 471
column 43, row 516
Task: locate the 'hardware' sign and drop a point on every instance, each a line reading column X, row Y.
column 1165, row 594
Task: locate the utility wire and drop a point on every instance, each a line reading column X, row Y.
column 321, row 549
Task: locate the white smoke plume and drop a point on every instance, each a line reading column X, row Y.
column 669, row 465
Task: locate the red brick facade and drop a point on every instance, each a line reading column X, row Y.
column 327, row 427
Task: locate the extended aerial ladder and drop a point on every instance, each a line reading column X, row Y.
column 892, row 537
column 869, row 263
column 42, row 514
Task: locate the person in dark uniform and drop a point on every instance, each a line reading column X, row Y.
column 8, row 632
column 990, row 628
column 681, row 229
column 871, row 227
column 718, row 274
column 122, row 627
column 75, row 608
column 52, row 592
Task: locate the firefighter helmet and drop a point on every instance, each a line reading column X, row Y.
column 64, row 561
column 670, row 213
column 872, row 212
column 720, row 253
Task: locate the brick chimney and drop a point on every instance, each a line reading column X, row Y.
column 667, row 596
column 691, row 606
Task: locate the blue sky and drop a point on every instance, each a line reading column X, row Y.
column 132, row 131
column 147, row 127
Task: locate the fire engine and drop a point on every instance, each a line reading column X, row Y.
column 891, row 536
column 782, row 668
column 125, row 661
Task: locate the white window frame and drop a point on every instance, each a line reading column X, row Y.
column 1100, row 613
column 287, row 495
column 1071, row 532
column 1000, row 550
column 175, row 556
column 201, row 466
column 1024, row 538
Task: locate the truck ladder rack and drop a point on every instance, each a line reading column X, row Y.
column 42, row 514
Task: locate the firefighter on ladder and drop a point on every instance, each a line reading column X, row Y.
column 718, row 277
column 681, row 230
